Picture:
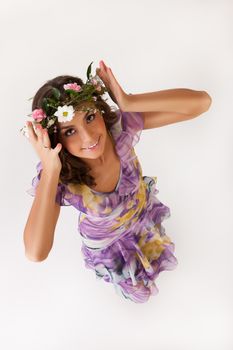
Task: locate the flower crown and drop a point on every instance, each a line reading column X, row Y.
column 53, row 109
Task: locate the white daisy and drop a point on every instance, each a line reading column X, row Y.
column 64, row 113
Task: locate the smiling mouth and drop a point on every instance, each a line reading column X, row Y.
column 93, row 144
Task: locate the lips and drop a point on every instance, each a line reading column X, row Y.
column 95, row 144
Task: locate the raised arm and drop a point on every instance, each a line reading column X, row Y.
column 157, row 108
column 42, row 219
column 168, row 106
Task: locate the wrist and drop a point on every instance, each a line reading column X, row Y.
column 51, row 172
column 127, row 102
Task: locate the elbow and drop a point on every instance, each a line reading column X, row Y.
column 198, row 103
column 34, row 258
column 206, row 101
column 33, row 250
column 201, row 104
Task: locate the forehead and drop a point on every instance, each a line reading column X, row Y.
column 80, row 111
column 83, row 106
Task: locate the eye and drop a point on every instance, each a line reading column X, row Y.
column 93, row 114
column 67, row 132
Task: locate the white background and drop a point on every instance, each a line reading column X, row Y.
column 150, row 45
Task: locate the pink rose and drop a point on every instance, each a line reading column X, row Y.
column 38, row 114
column 72, row 86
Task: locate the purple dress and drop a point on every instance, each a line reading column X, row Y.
column 123, row 239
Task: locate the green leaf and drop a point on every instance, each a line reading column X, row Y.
column 89, row 70
column 56, row 93
column 72, row 92
column 43, row 123
column 44, row 104
column 50, row 100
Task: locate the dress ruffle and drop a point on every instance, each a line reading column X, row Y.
column 133, row 261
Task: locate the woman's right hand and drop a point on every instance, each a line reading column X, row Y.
column 49, row 157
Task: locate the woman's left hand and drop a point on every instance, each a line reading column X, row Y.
column 115, row 91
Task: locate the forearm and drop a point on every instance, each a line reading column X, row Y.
column 40, row 226
column 185, row 101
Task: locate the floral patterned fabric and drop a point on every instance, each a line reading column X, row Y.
column 123, row 239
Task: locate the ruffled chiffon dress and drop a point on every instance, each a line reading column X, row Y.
column 123, row 239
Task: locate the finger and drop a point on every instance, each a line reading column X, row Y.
column 31, row 132
column 108, row 69
column 103, row 66
column 58, row 147
column 111, row 73
column 39, row 133
column 101, row 73
column 46, row 139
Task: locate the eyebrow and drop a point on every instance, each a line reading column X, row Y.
column 71, row 126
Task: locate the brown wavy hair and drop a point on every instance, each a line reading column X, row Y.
column 74, row 170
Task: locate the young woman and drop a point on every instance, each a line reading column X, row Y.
column 87, row 160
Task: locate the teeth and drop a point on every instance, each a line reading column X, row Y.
column 93, row 145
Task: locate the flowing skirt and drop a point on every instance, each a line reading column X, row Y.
column 133, row 262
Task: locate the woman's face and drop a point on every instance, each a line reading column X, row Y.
column 84, row 130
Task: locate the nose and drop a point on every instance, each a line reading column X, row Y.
column 87, row 139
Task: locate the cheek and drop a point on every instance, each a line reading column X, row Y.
column 70, row 143
column 100, row 124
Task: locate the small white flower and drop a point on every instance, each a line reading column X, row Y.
column 94, row 81
column 24, row 131
column 50, row 122
column 64, row 113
